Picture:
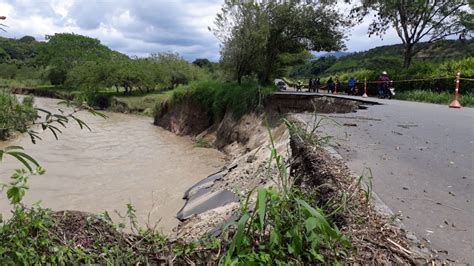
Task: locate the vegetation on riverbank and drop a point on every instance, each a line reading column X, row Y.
column 219, row 98
column 314, row 213
column 15, row 115
column 303, row 218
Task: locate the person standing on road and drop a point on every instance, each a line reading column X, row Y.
column 299, row 85
column 330, row 85
column 337, row 85
column 351, row 84
column 310, row 84
column 316, row 85
column 383, row 82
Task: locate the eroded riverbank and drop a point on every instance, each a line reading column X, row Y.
column 125, row 159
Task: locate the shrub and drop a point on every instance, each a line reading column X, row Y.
column 15, row 115
column 220, row 98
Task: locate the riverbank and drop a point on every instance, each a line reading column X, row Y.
column 248, row 145
column 312, row 167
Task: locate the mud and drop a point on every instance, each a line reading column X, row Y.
column 125, row 159
column 185, row 119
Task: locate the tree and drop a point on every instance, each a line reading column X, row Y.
column 415, row 21
column 175, row 68
column 255, row 34
column 202, row 62
column 64, row 51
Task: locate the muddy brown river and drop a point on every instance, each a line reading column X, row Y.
column 125, row 159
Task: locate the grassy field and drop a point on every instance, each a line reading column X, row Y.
column 142, row 103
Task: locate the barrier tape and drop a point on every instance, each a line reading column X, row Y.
column 396, row 81
column 407, row 80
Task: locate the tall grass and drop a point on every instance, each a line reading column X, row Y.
column 466, row 99
column 283, row 227
column 220, row 98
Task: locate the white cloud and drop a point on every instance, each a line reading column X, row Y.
column 141, row 27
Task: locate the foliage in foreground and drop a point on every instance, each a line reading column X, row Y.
column 15, row 115
column 282, row 226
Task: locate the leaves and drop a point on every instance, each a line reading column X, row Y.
column 263, row 38
column 414, row 21
column 16, row 152
column 261, row 203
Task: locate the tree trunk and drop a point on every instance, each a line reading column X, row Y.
column 239, row 79
column 408, row 55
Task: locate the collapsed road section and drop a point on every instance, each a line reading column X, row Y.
column 215, row 202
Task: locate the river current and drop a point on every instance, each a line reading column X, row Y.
column 124, row 159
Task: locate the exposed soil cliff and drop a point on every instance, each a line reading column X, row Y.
column 214, row 202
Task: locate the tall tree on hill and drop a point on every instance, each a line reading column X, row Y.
column 415, row 21
column 259, row 37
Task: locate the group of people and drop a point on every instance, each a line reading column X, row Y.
column 335, row 85
column 314, row 85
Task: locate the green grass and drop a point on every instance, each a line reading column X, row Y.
column 26, row 83
column 220, row 98
column 446, row 98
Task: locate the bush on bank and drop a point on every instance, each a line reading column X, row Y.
column 219, row 97
column 15, row 115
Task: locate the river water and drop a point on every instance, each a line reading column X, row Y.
column 125, row 159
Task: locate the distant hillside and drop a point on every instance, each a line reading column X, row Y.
column 384, row 57
column 17, row 49
column 335, row 54
column 391, row 56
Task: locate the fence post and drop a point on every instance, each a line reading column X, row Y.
column 455, row 103
column 365, row 88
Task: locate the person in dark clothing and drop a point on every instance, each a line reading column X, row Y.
column 351, row 84
column 383, row 83
column 310, row 84
column 330, row 85
column 316, row 85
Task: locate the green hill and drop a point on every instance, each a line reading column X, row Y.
column 17, row 49
column 434, row 67
column 389, row 57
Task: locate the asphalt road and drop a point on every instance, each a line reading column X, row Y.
column 421, row 156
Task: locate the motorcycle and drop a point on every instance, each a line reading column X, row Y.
column 388, row 90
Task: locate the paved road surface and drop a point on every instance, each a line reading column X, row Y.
column 421, row 156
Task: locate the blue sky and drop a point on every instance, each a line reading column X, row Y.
column 141, row 27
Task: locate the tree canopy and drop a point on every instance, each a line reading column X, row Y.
column 415, row 21
column 262, row 37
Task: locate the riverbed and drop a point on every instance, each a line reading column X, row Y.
column 124, row 159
